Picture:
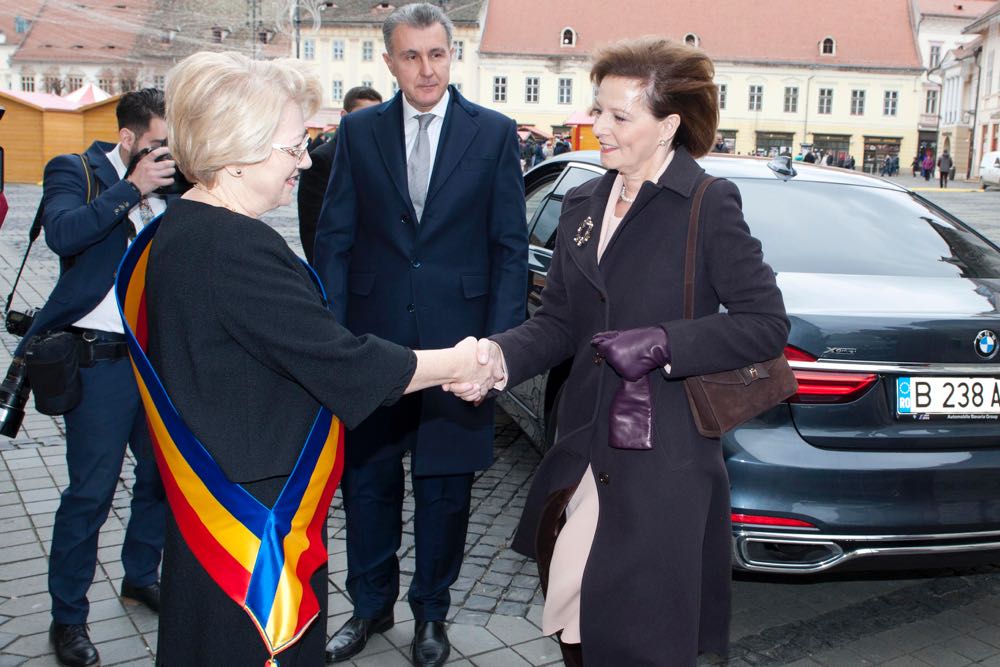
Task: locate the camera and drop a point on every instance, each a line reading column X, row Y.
column 18, row 323
column 178, row 187
column 14, row 392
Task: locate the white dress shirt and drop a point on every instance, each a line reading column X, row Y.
column 411, row 127
column 105, row 316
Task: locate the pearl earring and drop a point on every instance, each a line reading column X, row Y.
column 661, row 142
column 239, row 172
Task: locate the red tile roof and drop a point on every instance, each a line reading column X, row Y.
column 868, row 33
column 984, row 19
column 25, row 9
column 84, row 31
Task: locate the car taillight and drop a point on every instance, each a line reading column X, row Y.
column 764, row 520
column 821, row 386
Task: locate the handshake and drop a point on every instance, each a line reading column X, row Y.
column 477, row 366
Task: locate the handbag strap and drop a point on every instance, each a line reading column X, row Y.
column 692, row 247
column 36, row 225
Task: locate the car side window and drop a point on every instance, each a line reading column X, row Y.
column 544, row 232
column 573, row 177
column 535, row 197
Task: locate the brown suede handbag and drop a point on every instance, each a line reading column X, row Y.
column 723, row 401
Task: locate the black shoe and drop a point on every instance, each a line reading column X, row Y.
column 147, row 595
column 353, row 635
column 430, row 644
column 73, row 645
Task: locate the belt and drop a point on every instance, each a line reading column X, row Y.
column 98, row 345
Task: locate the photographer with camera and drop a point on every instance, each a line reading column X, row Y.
column 92, row 207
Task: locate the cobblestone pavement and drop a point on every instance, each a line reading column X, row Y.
column 939, row 617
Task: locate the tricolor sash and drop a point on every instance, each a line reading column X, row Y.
column 261, row 557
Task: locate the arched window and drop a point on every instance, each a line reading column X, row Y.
column 828, row 47
column 692, row 39
column 568, row 37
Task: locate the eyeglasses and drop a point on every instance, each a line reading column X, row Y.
column 295, row 151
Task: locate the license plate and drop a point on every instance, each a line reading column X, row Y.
column 948, row 397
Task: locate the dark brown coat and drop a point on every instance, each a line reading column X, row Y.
column 656, row 589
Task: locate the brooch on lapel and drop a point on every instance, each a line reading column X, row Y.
column 583, row 232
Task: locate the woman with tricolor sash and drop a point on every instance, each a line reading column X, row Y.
column 247, row 379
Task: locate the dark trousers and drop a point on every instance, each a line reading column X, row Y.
column 944, row 178
column 373, row 503
column 109, row 417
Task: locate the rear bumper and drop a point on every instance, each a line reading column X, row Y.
column 865, row 505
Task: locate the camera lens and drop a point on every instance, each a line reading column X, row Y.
column 14, row 392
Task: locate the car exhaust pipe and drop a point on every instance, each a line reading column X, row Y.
column 768, row 554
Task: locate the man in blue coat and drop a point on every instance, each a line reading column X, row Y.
column 89, row 215
column 422, row 240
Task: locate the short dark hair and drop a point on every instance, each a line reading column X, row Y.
column 416, row 15
column 137, row 109
column 358, row 93
column 678, row 79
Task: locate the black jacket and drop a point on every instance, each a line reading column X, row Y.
column 312, row 188
column 245, row 346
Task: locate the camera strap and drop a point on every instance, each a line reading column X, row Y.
column 36, row 225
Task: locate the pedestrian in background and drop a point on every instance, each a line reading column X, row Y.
column 944, row 165
column 313, row 182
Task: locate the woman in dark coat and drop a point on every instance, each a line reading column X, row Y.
column 639, row 574
column 247, row 352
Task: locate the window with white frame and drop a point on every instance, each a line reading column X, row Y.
column 828, row 47
column 890, row 103
column 499, row 89
column 159, row 81
column 931, row 103
column 857, row 103
column 309, row 49
column 755, row 101
column 337, row 90
column 531, row 89
column 28, row 84
column 791, row 99
column 723, row 92
column 367, row 50
column 76, row 82
column 565, row 91
column 459, row 47
column 935, row 56
column 568, row 37
column 367, row 83
column 337, row 49
column 825, row 101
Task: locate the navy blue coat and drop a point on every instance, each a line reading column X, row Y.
column 461, row 272
column 90, row 239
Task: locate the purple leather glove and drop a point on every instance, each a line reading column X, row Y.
column 631, row 418
column 634, row 352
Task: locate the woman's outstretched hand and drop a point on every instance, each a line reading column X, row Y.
column 480, row 368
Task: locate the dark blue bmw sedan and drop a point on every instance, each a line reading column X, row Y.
column 891, row 447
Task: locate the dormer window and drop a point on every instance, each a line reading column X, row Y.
column 828, row 47
column 219, row 34
column 265, row 36
column 692, row 39
column 568, row 37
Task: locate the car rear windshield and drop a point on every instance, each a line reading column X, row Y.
column 845, row 229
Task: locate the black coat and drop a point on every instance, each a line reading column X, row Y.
column 656, row 589
column 312, row 187
column 247, row 351
column 461, row 271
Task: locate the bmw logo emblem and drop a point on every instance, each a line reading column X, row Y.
column 986, row 344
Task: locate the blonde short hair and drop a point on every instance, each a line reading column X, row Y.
column 224, row 108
